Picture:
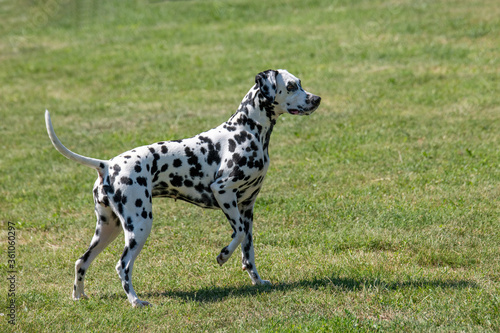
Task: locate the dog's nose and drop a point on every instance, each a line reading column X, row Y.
column 315, row 100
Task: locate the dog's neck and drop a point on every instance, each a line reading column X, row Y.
column 257, row 112
column 258, row 108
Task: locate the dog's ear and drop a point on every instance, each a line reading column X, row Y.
column 266, row 83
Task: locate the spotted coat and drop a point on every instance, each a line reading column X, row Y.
column 222, row 168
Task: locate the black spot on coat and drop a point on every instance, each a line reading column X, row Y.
column 126, row 181
column 132, row 243
column 176, row 181
column 177, row 163
column 232, row 145
column 142, row 181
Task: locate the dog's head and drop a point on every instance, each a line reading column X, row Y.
column 284, row 91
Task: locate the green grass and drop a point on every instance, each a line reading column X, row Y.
column 380, row 212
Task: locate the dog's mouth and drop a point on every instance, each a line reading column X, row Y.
column 302, row 112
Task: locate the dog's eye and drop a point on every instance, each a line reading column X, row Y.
column 292, row 86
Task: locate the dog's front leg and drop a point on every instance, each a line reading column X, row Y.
column 247, row 251
column 226, row 199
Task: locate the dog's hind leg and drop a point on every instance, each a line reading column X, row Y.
column 107, row 228
column 137, row 227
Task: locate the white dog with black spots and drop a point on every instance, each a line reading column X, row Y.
column 222, row 168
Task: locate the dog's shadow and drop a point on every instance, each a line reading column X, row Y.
column 217, row 294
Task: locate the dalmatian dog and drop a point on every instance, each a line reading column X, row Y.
column 222, row 168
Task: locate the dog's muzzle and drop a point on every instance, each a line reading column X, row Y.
column 314, row 101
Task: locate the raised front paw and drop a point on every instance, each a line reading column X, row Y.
column 223, row 256
column 221, row 260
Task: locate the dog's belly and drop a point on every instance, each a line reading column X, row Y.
column 200, row 196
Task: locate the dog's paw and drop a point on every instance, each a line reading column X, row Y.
column 261, row 282
column 140, row 304
column 78, row 291
column 223, row 256
column 79, row 296
column 220, row 260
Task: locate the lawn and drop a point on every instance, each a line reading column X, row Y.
column 379, row 212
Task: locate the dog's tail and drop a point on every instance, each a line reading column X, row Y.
column 99, row 165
